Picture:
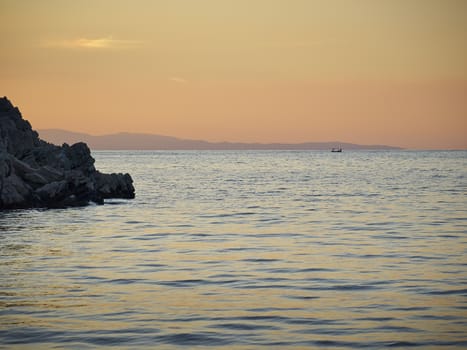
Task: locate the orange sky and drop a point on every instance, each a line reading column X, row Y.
column 388, row 72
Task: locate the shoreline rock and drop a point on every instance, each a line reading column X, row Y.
column 37, row 174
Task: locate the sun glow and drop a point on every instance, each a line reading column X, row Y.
column 388, row 72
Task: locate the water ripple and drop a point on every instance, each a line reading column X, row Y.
column 247, row 250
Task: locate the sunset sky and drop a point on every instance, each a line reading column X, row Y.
column 371, row 72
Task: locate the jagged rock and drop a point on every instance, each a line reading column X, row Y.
column 34, row 173
column 111, row 185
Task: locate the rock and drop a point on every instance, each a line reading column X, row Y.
column 35, row 174
column 113, row 185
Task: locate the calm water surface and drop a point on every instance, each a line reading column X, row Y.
column 244, row 250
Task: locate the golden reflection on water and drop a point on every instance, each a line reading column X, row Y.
column 354, row 269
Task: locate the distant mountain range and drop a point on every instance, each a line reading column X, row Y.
column 137, row 141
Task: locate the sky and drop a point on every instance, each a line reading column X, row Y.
column 388, row 72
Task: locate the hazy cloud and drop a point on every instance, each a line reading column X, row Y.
column 178, row 80
column 96, row 43
column 296, row 44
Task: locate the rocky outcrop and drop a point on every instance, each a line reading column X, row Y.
column 35, row 173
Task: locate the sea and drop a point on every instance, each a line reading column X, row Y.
column 247, row 250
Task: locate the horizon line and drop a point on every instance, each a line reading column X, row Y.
column 221, row 142
column 380, row 146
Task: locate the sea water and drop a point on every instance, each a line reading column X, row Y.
column 245, row 250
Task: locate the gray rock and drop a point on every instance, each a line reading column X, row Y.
column 34, row 173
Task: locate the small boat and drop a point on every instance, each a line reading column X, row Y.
column 336, row 150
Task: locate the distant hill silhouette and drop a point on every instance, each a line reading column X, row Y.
column 137, row 141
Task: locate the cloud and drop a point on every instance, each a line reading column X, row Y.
column 295, row 44
column 96, row 43
column 178, row 80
